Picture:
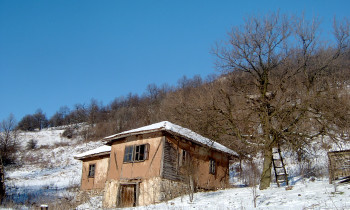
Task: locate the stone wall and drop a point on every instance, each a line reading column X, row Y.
column 149, row 191
column 110, row 193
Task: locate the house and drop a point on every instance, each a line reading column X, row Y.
column 95, row 168
column 155, row 163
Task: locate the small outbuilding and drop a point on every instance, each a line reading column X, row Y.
column 339, row 166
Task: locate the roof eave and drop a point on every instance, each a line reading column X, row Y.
column 109, row 141
column 92, row 155
column 201, row 144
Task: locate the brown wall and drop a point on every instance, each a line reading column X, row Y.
column 160, row 173
column 101, row 168
column 199, row 164
column 145, row 169
column 154, row 165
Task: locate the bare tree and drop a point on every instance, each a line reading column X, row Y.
column 40, row 119
column 8, row 147
column 32, row 122
column 282, row 68
column 93, row 112
column 27, row 123
column 8, row 139
column 60, row 117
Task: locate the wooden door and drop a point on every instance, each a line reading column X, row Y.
column 128, row 195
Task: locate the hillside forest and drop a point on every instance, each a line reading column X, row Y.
column 279, row 82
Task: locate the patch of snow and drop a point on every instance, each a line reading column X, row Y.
column 94, row 203
column 102, row 149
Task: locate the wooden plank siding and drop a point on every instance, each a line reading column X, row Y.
column 339, row 165
column 170, row 157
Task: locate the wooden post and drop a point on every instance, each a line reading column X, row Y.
column 330, row 168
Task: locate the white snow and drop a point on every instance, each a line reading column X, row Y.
column 44, row 137
column 170, row 127
column 52, row 171
column 102, row 149
column 305, row 194
column 48, row 171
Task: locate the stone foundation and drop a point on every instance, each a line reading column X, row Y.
column 150, row 191
column 110, row 194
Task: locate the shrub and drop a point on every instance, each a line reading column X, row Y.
column 68, row 133
column 32, row 144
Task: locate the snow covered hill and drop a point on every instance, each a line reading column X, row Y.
column 47, row 172
column 50, row 172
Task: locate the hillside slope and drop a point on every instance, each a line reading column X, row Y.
column 49, row 173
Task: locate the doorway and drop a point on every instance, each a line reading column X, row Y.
column 127, row 195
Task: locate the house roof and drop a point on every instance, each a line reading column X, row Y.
column 103, row 150
column 173, row 129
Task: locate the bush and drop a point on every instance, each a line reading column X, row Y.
column 32, row 144
column 68, row 133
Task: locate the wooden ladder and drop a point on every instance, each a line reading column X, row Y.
column 279, row 167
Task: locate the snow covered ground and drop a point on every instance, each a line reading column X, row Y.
column 51, row 172
column 47, row 172
column 305, row 194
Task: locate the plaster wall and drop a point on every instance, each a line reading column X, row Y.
column 101, row 169
column 136, row 170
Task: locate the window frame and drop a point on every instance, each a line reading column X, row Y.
column 183, row 157
column 135, row 152
column 128, row 154
column 138, row 153
column 92, row 170
column 212, row 166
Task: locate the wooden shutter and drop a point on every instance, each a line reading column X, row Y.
column 146, row 151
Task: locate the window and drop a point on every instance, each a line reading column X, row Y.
column 136, row 153
column 140, row 152
column 128, row 154
column 92, row 170
column 183, row 158
column 212, row 166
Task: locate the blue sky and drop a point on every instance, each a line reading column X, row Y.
column 56, row 53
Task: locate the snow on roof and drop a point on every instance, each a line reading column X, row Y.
column 176, row 129
column 94, row 152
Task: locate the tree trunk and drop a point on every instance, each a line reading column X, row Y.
column 2, row 180
column 265, row 178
